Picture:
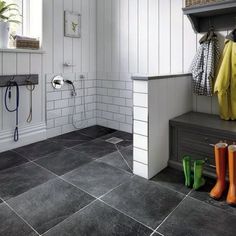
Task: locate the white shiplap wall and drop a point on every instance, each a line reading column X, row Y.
column 81, row 52
column 141, row 37
column 58, row 49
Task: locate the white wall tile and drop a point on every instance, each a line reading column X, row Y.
column 141, row 127
column 141, row 141
column 140, row 100
column 140, row 155
column 140, row 169
column 141, row 113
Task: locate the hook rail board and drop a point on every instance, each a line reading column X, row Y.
column 20, row 79
column 221, row 15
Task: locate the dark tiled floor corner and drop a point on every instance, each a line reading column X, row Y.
column 96, row 131
column 71, row 139
column 172, row 179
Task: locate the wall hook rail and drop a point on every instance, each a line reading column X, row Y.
column 22, row 80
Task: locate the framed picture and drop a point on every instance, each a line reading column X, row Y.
column 72, row 21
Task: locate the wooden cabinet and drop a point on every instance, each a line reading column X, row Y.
column 195, row 134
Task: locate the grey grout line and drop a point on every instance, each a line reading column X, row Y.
column 123, row 158
column 156, row 230
column 68, row 218
column 126, row 215
column 20, row 216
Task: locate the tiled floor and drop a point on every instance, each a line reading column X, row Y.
column 79, row 184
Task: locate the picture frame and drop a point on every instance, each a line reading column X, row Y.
column 72, row 24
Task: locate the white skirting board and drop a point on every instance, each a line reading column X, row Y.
column 27, row 135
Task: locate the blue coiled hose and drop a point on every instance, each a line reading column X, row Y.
column 16, row 109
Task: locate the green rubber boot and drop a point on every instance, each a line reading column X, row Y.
column 199, row 181
column 187, row 170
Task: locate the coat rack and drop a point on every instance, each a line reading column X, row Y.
column 20, row 79
column 221, row 15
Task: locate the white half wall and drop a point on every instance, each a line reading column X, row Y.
column 155, row 103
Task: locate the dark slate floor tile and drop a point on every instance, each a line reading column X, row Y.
column 97, row 178
column 96, row 131
column 40, row 149
column 127, row 138
column 115, row 159
column 193, row 218
column 173, row 179
column 127, row 154
column 203, row 195
column 95, row 149
column 71, row 139
column 49, row 204
column 99, row 219
column 10, row 159
column 12, row 225
column 20, row 179
column 63, row 161
column 144, row 200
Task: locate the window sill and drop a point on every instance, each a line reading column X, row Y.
column 17, row 50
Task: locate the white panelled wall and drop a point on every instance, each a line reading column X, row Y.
column 120, row 38
column 80, row 52
column 148, row 37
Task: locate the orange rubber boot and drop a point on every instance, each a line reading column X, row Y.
column 231, row 197
column 220, row 161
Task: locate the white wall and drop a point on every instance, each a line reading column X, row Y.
column 58, row 49
column 81, row 52
column 141, row 37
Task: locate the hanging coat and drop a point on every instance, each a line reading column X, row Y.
column 225, row 84
column 204, row 65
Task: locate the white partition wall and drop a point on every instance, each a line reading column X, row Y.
column 156, row 101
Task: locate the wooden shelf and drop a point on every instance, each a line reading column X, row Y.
column 221, row 15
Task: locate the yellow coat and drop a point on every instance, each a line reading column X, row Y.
column 225, row 84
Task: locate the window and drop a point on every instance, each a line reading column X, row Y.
column 31, row 12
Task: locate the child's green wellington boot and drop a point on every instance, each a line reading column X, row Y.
column 187, row 170
column 199, row 181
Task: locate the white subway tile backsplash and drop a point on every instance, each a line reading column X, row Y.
column 126, row 127
column 119, row 117
column 61, row 121
column 53, row 114
column 61, row 103
column 126, row 110
column 54, row 96
column 119, row 101
column 126, row 94
column 114, row 92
